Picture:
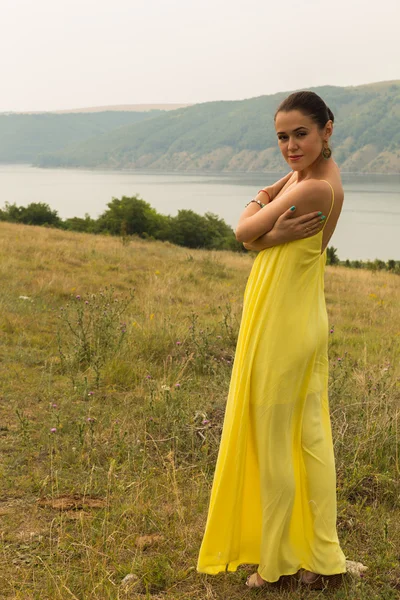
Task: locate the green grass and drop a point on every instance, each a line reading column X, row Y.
column 131, row 455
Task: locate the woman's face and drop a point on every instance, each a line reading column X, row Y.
column 299, row 136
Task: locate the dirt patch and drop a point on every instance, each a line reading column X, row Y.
column 72, row 502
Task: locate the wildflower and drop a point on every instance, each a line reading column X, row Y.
column 156, row 272
column 90, row 393
column 78, row 297
column 148, row 376
column 53, row 429
column 54, row 405
column 219, row 337
column 205, row 421
column 151, row 316
column 339, row 359
column 178, row 343
column 86, row 301
column 90, row 419
column 166, row 388
column 178, row 385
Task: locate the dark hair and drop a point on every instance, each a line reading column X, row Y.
column 308, row 103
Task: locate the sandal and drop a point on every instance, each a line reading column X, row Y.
column 321, row 582
column 252, row 580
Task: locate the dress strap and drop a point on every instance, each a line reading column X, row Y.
column 332, row 203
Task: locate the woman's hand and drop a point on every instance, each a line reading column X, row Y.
column 288, row 228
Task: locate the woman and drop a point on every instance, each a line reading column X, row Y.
column 273, row 499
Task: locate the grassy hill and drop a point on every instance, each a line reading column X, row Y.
column 240, row 135
column 101, row 480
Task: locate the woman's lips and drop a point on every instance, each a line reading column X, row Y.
column 295, row 157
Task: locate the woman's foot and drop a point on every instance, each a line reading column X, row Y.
column 255, row 580
column 308, row 576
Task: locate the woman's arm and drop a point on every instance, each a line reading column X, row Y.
column 287, row 229
column 309, row 195
column 274, row 189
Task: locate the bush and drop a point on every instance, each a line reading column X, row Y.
column 36, row 213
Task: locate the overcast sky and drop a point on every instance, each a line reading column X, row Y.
column 60, row 54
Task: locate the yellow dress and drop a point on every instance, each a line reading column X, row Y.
column 273, row 498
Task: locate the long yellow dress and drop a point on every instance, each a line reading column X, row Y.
column 273, row 498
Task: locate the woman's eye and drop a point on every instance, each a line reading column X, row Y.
column 284, row 137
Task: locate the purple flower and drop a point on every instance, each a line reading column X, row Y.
column 53, row 429
column 90, row 393
column 90, row 419
column 78, row 297
column 205, row 421
column 177, row 385
column 339, row 359
column 86, row 301
column 331, row 331
column 54, row 406
column 148, row 376
column 178, row 343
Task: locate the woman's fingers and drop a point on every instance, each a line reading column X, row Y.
column 313, row 216
column 309, row 224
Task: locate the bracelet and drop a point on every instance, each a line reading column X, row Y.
column 265, row 192
column 258, row 202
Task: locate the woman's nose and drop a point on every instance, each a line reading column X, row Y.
column 292, row 144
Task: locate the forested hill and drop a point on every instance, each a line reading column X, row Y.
column 240, row 135
column 23, row 137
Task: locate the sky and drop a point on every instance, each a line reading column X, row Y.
column 65, row 54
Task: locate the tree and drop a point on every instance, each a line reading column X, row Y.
column 129, row 216
column 331, row 255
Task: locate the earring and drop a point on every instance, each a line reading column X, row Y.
column 326, row 151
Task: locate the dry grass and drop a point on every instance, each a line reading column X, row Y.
column 122, row 486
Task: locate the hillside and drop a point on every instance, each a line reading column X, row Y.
column 114, row 108
column 240, row 136
column 105, row 477
column 24, row 136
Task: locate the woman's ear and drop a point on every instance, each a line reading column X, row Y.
column 329, row 129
